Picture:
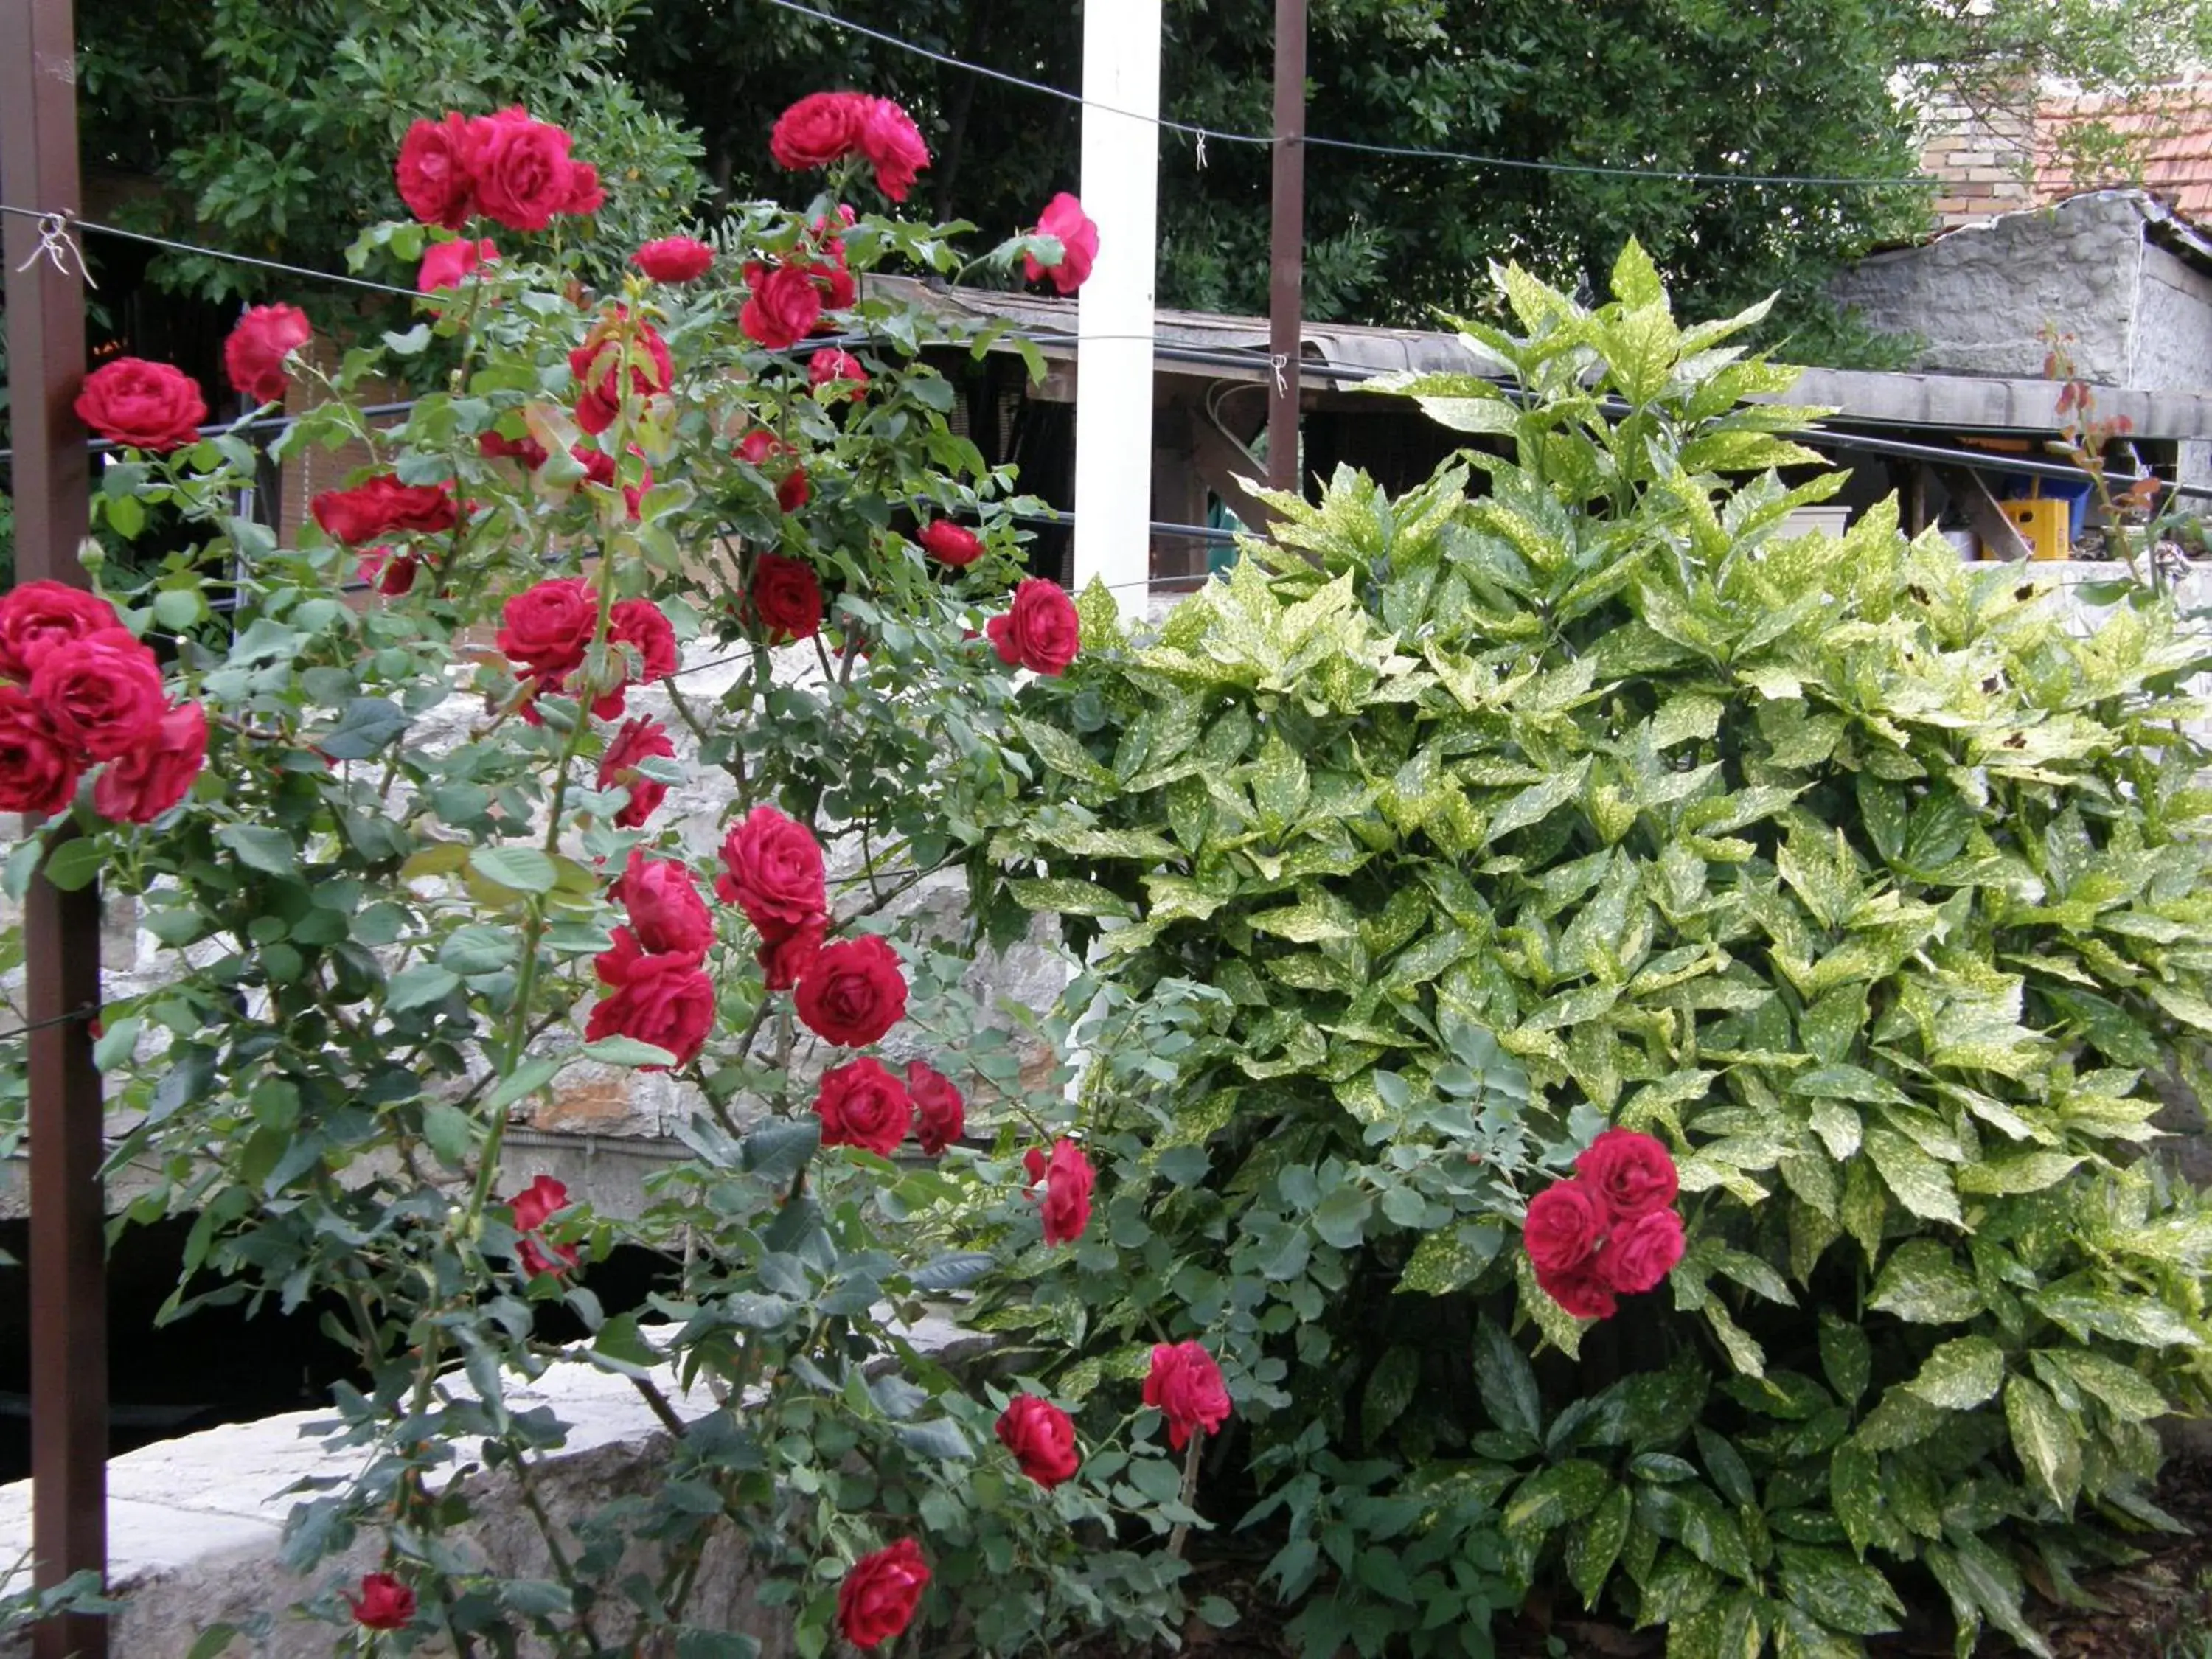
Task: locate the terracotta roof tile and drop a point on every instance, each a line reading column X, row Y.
column 2176, row 160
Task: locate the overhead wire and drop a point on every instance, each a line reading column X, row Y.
column 1679, row 175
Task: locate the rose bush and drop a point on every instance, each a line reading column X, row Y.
column 427, row 851
column 1639, row 1029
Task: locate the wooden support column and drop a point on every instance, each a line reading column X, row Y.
column 45, row 366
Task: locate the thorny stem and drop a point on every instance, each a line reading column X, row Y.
column 1189, row 1493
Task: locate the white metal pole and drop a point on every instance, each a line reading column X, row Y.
column 1120, row 190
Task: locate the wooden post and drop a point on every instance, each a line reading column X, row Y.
column 46, row 362
column 1287, row 246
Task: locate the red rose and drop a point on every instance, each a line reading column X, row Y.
column 37, row 770
column 667, row 912
column 140, row 785
column 600, row 404
column 854, row 993
column 1064, row 218
column 820, row 128
column 538, row 1203
column 102, row 693
column 940, row 1116
column 951, row 543
column 759, row 446
column 382, row 505
column 434, row 180
column 612, row 965
column 666, row 1001
column 892, row 143
column 1041, row 631
column 836, row 281
column 1566, row 1221
column 520, row 167
column 1639, row 1253
column 674, row 260
column 146, row 405
column 38, row 616
column 387, row 572
column 837, row 368
column 447, row 263
column 1579, row 1290
column 549, row 626
column 1185, row 1386
column 876, row 1600
column 1631, row 1172
column 639, row 739
column 773, row 869
column 793, row 492
column 645, row 626
column 526, row 449
column 599, row 469
column 782, row 307
column 1033, row 1161
column 584, row 194
column 1042, row 1437
column 785, row 960
column 254, row 356
column 861, row 1105
column 785, row 598
column 1068, row 1179
column 383, row 1603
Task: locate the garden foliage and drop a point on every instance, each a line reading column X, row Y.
column 1571, row 790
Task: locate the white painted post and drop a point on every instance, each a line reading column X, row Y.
column 1120, row 191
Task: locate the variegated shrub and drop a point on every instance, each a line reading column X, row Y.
column 1573, row 789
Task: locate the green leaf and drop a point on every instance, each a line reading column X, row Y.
column 1553, row 1498
column 1923, row 1283
column 1340, row 1219
column 258, row 848
column 2049, row 1446
column 1593, row 1546
column 1854, row 1493
column 2027, row 1171
column 938, row 1436
column 1916, row 1180
column 619, row 1339
column 520, row 869
column 627, row 1051
column 449, row 1133
column 1506, row 1382
column 2125, row 1393
column 216, row 1639
column 1537, row 802
column 1444, row 1261
column 1960, row 1374
column 698, row 1642
column 424, row 983
column 367, row 726
column 1063, row 753
column 1842, row 1593
column 75, row 863
column 1846, row 1357
column 1067, row 897
column 175, row 608
column 955, row 1270
column 1389, row 1391
column 524, row 1083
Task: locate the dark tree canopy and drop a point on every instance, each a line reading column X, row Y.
column 269, row 123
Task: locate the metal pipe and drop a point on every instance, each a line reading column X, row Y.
column 61, row 931
column 1287, row 246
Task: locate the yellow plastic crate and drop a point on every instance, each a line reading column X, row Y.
column 2045, row 526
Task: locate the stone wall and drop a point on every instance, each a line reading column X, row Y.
column 2173, row 325
column 1981, row 296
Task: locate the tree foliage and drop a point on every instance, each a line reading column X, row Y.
column 269, row 122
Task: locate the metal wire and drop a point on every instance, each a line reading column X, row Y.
column 1464, row 157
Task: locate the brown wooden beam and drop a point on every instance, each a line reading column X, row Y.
column 61, row 931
